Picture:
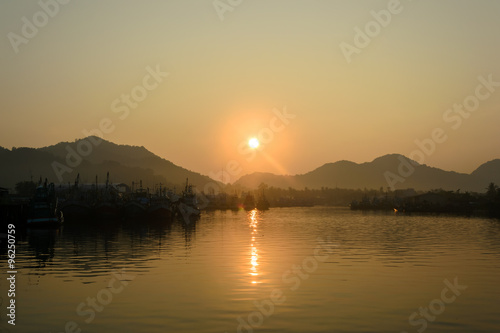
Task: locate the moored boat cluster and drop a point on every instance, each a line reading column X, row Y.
column 50, row 205
column 110, row 201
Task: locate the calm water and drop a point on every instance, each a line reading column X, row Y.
column 284, row 270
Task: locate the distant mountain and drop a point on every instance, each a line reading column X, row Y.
column 384, row 171
column 126, row 164
column 488, row 172
column 61, row 163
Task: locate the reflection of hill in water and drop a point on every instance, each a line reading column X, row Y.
column 85, row 252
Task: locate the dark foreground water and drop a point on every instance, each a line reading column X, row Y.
column 284, row 270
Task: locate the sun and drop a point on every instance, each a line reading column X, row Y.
column 253, row 143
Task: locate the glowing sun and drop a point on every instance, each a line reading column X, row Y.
column 253, row 143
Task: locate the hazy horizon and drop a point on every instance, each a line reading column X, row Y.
column 210, row 80
column 217, row 175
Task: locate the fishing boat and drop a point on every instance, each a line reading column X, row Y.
column 160, row 206
column 106, row 204
column 187, row 205
column 75, row 206
column 136, row 204
column 43, row 210
column 134, row 208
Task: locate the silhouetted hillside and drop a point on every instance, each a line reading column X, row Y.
column 132, row 163
column 350, row 175
column 124, row 163
column 488, row 172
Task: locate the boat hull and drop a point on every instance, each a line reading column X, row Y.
column 106, row 211
column 42, row 222
column 133, row 210
column 160, row 211
column 74, row 210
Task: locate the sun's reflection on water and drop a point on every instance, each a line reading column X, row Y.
column 253, row 247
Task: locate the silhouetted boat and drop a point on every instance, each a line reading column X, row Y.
column 106, row 210
column 75, row 206
column 136, row 204
column 134, row 209
column 187, row 205
column 160, row 210
column 106, row 204
column 160, row 206
column 75, row 209
column 43, row 210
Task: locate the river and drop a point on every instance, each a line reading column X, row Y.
column 315, row 269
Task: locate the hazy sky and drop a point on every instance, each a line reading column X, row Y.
column 225, row 78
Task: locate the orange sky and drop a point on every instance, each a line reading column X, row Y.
column 225, row 78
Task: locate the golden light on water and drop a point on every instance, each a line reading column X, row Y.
column 254, row 256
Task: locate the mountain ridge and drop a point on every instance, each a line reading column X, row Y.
column 128, row 163
column 61, row 163
column 383, row 171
